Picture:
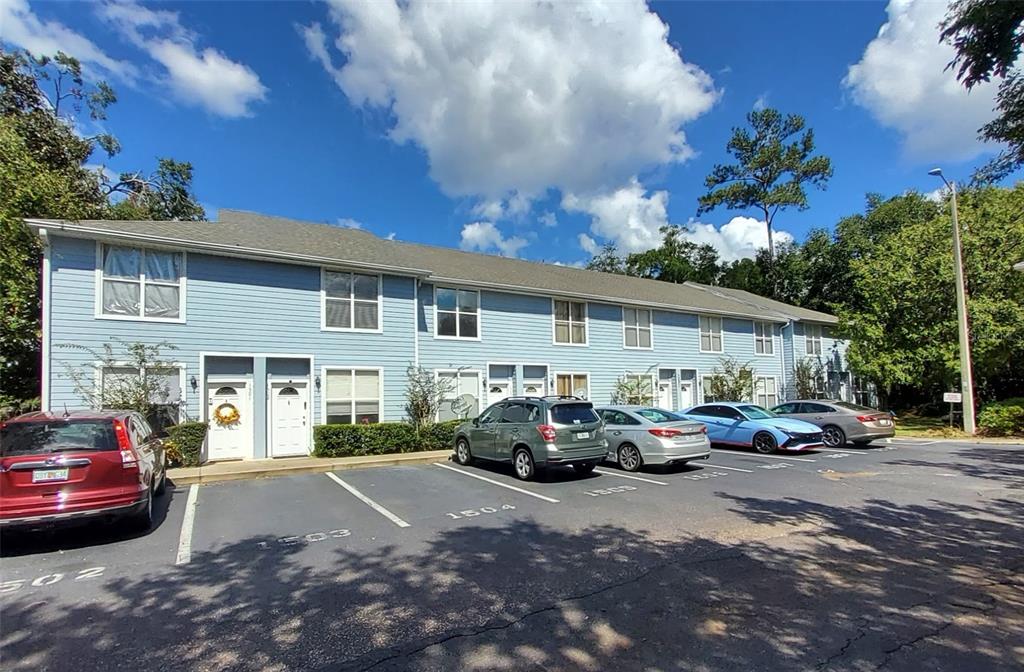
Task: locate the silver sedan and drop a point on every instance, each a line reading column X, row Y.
column 639, row 435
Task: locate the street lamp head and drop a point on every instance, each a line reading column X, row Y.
column 935, row 172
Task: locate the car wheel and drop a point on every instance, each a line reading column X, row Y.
column 765, row 443
column 584, row 468
column 629, row 457
column 523, row 463
column 833, row 437
column 143, row 520
column 462, row 454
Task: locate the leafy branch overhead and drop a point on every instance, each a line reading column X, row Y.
column 774, row 163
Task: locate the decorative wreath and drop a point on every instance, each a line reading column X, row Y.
column 226, row 414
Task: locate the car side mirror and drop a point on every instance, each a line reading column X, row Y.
column 476, row 422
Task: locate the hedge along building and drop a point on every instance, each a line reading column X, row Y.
column 288, row 324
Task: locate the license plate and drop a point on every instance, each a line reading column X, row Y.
column 581, row 436
column 885, row 423
column 45, row 475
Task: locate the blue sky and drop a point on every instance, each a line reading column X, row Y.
column 538, row 131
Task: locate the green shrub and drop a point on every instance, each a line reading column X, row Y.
column 381, row 438
column 184, row 444
column 1001, row 418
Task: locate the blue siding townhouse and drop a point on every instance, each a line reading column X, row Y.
column 296, row 324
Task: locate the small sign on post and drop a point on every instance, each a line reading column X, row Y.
column 952, row 398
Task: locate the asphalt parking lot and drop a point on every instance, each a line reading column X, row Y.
column 903, row 555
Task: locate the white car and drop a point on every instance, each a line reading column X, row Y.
column 639, row 435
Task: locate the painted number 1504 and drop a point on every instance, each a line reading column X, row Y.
column 472, row 513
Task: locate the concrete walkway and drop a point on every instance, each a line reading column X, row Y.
column 289, row 466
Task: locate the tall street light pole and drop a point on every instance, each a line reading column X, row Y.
column 966, row 375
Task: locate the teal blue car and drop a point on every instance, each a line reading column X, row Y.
column 750, row 426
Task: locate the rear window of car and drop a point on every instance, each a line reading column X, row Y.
column 854, row 407
column 657, row 415
column 573, row 414
column 56, row 436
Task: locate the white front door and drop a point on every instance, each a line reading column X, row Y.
column 686, row 396
column 665, row 394
column 230, row 417
column 289, row 419
column 496, row 392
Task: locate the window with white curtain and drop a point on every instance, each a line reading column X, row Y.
column 141, row 283
column 351, row 301
column 120, row 386
column 710, row 334
column 461, row 398
column 812, row 338
column 763, row 342
column 570, row 322
column 352, row 396
column 766, row 393
column 636, row 325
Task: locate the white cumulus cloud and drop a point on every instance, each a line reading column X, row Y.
column 738, row 238
column 510, row 99
column 629, row 217
column 588, row 244
column 205, row 78
column 486, row 237
column 902, row 81
column 349, row 223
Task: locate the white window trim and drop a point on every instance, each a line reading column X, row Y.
column 355, row 367
column 98, row 367
column 480, row 392
column 98, row 289
column 770, row 339
column 778, row 392
column 584, row 374
column 654, row 382
column 479, row 315
column 721, row 333
column 626, row 327
column 352, row 329
column 586, row 324
column 808, row 339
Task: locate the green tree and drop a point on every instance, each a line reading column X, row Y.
column 732, row 380
column 677, row 259
column 988, row 36
column 902, row 325
column 165, row 195
column 607, row 261
column 774, row 162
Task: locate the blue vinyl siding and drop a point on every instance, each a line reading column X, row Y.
column 232, row 306
column 516, row 328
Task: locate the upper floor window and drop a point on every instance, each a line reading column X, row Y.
column 351, row 301
column 457, row 313
column 812, row 338
column 710, row 334
column 141, row 283
column 636, row 325
column 763, row 342
column 570, row 322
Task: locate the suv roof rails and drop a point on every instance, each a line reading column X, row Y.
column 568, row 397
column 560, row 397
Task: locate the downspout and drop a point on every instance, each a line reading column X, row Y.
column 782, row 355
column 416, row 323
column 44, row 373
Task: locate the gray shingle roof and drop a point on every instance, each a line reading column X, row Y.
column 250, row 234
column 764, row 303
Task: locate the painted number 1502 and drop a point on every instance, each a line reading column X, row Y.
column 471, row 513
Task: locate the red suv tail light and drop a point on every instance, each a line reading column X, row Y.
column 547, row 432
column 129, row 458
column 664, row 432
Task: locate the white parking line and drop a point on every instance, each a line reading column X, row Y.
column 185, row 538
column 718, row 466
column 634, row 478
column 834, row 450
column 763, row 457
column 369, row 502
column 498, row 483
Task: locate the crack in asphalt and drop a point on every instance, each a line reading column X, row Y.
column 861, row 633
column 504, row 625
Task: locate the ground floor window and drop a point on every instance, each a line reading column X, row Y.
column 352, row 396
column 121, row 387
column 706, row 389
column 636, row 389
column 462, row 399
column 572, row 385
column 766, row 392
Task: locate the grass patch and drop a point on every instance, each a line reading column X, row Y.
column 918, row 425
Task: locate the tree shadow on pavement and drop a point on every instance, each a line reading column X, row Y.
column 872, row 586
column 1002, row 464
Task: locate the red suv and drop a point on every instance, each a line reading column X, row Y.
column 79, row 465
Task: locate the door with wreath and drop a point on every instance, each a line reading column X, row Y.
column 230, row 418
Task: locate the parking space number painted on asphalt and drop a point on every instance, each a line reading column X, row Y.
column 483, row 510
column 50, row 579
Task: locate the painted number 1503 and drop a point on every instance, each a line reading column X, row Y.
column 50, row 579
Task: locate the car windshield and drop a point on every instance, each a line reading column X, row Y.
column 573, row 414
column 854, row 407
column 56, row 436
column 657, row 415
column 756, row 412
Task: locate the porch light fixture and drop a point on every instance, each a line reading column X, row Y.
column 194, row 383
column 317, row 381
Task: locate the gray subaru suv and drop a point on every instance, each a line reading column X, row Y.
column 533, row 433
